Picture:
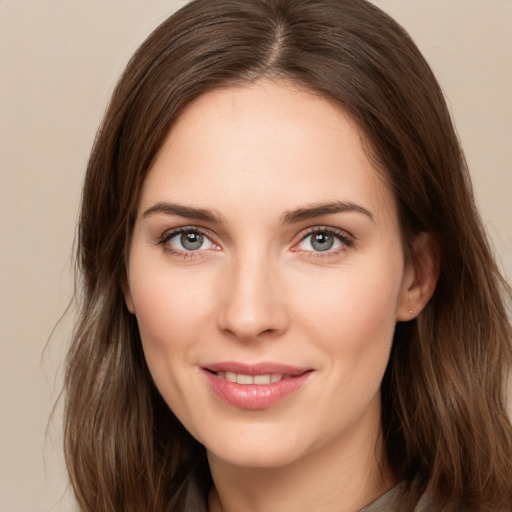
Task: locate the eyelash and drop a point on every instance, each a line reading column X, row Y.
column 346, row 240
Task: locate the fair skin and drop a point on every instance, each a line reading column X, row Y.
column 263, row 277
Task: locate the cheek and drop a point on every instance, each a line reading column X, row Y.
column 352, row 319
column 172, row 307
column 354, row 301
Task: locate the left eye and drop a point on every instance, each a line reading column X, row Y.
column 189, row 241
column 322, row 241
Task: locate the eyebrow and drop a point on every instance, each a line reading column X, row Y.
column 183, row 211
column 290, row 217
column 318, row 210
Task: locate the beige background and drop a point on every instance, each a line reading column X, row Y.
column 59, row 60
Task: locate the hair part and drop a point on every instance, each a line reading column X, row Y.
column 444, row 419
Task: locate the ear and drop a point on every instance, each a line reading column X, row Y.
column 420, row 277
column 125, row 287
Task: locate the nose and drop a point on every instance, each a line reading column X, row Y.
column 253, row 301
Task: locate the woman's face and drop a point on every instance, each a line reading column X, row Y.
column 266, row 273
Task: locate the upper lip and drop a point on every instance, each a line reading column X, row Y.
column 262, row 368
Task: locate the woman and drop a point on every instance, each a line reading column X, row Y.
column 289, row 301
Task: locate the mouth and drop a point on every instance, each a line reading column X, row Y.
column 255, row 386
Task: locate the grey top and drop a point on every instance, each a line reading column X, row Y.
column 388, row 502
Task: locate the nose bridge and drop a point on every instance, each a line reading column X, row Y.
column 253, row 304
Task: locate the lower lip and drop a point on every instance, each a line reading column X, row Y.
column 254, row 396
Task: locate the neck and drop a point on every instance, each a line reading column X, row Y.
column 344, row 475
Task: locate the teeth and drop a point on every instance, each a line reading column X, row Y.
column 261, row 379
column 231, row 376
column 244, row 379
column 241, row 378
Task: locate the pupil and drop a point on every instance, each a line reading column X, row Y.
column 191, row 241
column 322, row 242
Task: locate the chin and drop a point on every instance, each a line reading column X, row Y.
column 255, row 457
column 258, row 448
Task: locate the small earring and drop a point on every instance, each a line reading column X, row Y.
column 411, row 310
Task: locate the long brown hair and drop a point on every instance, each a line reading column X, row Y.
column 444, row 416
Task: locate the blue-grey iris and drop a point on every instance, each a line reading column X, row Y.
column 322, row 241
column 191, row 241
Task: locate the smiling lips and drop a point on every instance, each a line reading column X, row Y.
column 254, row 386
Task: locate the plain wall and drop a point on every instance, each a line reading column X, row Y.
column 59, row 61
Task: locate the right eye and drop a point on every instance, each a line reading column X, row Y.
column 186, row 240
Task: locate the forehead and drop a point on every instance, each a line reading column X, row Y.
column 270, row 144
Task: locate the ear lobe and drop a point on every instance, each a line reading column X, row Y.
column 420, row 277
column 125, row 287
